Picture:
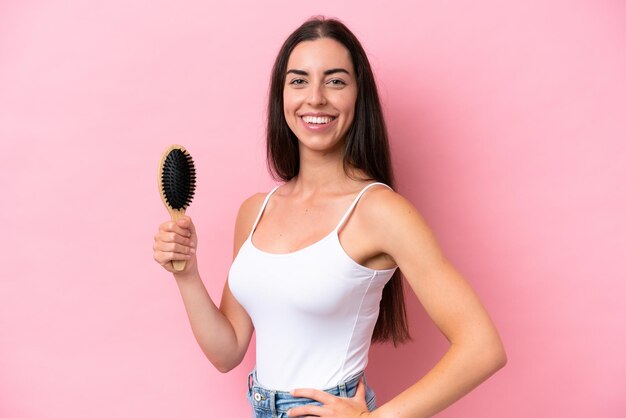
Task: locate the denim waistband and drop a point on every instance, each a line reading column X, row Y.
column 281, row 401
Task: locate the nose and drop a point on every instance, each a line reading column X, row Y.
column 316, row 96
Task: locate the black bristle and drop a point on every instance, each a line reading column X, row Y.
column 178, row 179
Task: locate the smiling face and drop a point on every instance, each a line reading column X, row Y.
column 320, row 94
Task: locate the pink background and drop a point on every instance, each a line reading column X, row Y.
column 508, row 124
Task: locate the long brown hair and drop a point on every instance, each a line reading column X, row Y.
column 367, row 146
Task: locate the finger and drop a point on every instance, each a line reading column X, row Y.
column 192, row 227
column 317, row 395
column 186, row 224
column 165, row 261
column 163, row 256
column 172, row 226
column 173, row 247
column 306, row 410
column 174, row 237
column 177, row 256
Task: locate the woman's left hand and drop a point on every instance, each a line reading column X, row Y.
column 332, row 406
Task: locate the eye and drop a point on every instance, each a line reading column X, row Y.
column 297, row 82
column 337, row 82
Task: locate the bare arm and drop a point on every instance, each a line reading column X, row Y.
column 223, row 333
column 476, row 351
column 398, row 233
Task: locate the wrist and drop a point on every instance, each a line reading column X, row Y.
column 186, row 276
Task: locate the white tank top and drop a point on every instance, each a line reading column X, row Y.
column 314, row 309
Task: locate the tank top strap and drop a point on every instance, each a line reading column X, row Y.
column 354, row 202
column 258, row 217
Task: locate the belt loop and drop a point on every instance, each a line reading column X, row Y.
column 273, row 402
column 342, row 389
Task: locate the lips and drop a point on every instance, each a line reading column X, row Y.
column 317, row 120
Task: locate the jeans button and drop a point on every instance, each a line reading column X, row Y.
column 257, row 397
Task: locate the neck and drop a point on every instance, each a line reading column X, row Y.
column 320, row 172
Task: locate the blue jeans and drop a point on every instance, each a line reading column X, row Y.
column 267, row 403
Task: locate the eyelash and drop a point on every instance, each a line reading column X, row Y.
column 333, row 82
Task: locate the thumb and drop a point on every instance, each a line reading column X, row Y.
column 185, row 222
column 192, row 227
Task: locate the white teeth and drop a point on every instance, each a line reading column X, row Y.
column 317, row 119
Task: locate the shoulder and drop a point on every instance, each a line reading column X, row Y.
column 246, row 216
column 382, row 204
column 249, row 210
column 250, row 206
column 394, row 221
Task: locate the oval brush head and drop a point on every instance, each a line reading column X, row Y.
column 177, row 184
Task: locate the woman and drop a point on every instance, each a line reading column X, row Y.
column 313, row 296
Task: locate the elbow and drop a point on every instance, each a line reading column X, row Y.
column 503, row 357
column 499, row 359
column 226, row 365
column 496, row 357
column 224, row 360
column 487, row 354
column 223, row 369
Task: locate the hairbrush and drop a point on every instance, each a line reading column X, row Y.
column 177, row 183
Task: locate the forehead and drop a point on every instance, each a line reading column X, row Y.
column 320, row 54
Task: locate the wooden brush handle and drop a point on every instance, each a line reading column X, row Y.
column 178, row 265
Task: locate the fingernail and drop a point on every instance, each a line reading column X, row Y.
column 192, row 250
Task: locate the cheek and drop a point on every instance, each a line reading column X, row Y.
column 288, row 112
column 349, row 109
column 290, row 104
column 287, row 109
column 285, row 103
column 347, row 102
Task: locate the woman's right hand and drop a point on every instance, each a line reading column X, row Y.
column 176, row 240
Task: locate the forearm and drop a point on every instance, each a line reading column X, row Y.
column 458, row 372
column 211, row 328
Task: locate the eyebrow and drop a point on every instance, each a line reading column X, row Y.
column 327, row 72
